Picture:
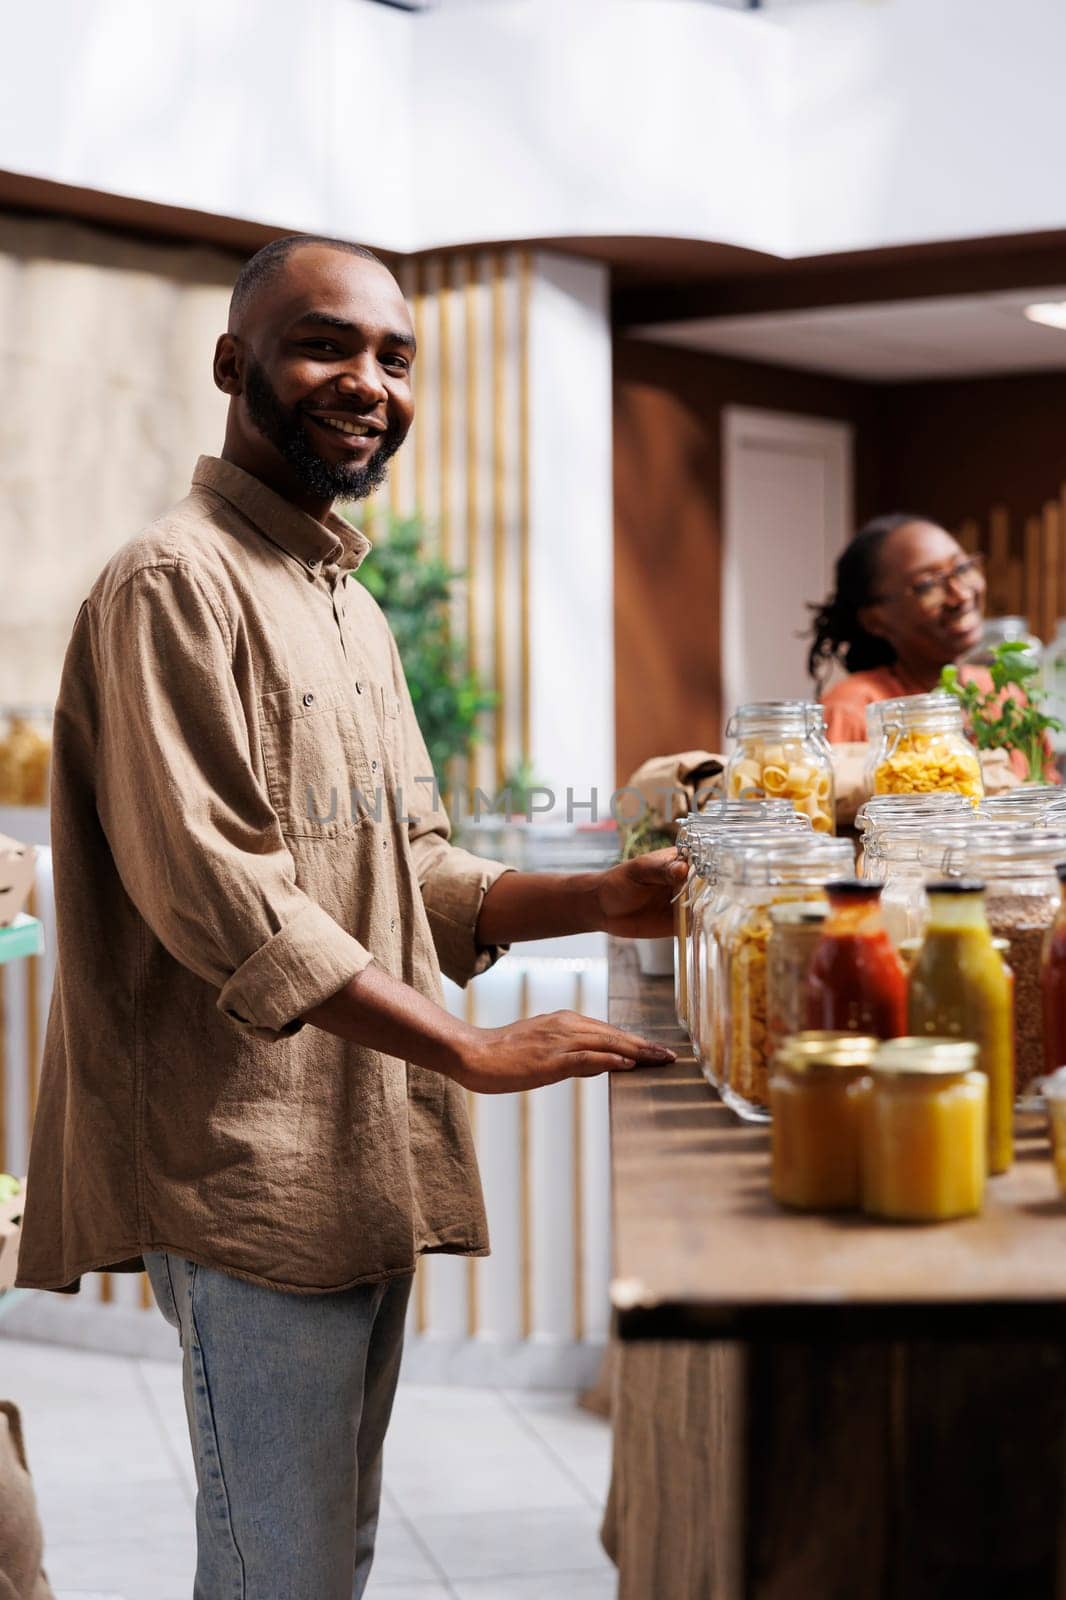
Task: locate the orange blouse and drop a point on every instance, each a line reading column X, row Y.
column 845, row 703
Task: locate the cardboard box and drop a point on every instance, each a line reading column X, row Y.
column 9, row 1236
column 16, row 877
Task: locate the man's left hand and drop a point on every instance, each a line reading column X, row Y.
column 635, row 899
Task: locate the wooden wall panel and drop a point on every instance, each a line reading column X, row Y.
column 668, row 407
column 987, row 458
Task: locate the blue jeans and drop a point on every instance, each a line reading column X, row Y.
column 288, row 1397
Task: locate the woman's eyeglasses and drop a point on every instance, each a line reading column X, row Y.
column 932, row 591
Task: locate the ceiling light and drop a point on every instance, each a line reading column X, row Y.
column 1052, row 313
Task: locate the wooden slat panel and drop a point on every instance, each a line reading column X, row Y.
column 1015, row 585
column 969, row 535
column 1052, row 560
column 1032, row 568
column 998, row 558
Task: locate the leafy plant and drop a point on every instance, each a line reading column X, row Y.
column 520, row 784
column 999, row 720
column 414, row 591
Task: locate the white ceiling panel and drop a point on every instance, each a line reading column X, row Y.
column 948, row 337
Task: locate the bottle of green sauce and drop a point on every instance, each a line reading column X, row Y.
column 960, row 988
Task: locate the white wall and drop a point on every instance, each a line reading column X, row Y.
column 916, row 120
column 291, row 112
column 572, row 567
column 799, row 129
column 538, row 118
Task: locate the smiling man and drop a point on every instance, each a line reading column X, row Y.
column 250, row 1082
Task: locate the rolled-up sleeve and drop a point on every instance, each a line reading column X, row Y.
column 453, row 881
column 196, row 842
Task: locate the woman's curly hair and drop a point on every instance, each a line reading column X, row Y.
column 837, row 633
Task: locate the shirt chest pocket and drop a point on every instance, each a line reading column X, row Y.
column 323, row 757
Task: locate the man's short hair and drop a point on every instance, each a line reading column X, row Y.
column 268, row 262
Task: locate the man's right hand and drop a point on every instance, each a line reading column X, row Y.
column 547, row 1049
column 379, row 1012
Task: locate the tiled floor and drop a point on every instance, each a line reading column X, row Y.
column 490, row 1494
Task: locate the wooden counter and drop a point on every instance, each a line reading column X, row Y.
column 701, row 1249
column 819, row 1408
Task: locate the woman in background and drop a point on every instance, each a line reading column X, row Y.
column 909, row 600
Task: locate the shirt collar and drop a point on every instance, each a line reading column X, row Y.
column 314, row 544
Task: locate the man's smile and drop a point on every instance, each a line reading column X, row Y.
column 352, row 431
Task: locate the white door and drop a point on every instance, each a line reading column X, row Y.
column 787, row 501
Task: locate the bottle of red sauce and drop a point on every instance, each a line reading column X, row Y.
column 856, row 982
column 1053, row 983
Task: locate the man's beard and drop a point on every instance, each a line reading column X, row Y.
column 284, row 427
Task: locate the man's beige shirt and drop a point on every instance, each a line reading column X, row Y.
column 226, row 689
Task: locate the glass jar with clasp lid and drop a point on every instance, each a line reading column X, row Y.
column 719, row 814
column 918, row 745
column 25, row 755
column 1017, row 867
column 760, row 879
column 781, row 752
column 720, row 818
column 1004, row 630
column 1034, row 805
column 882, row 811
column 795, row 930
column 704, row 1000
column 903, row 856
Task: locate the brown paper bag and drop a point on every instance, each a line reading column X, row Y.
column 996, row 771
column 672, row 786
column 21, row 1541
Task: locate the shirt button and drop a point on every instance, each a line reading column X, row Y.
column 309, row 699
column 373, row 766
column 392, row 925
column 358, row 687
column 385, row 844
column 313, row 565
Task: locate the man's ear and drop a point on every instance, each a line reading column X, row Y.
column 228, row 364
column 872, row 620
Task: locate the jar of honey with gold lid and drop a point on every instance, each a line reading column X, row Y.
column 819, row 1084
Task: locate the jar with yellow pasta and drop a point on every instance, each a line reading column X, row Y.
column 25, row 755
column 918, row 745
column 781, row 751
column 764, row 878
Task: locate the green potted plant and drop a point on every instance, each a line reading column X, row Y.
column 414, row 589
column 1000, row 720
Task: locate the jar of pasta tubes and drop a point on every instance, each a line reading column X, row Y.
column 918, row 745
column 781, row 752
column 760, row 879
